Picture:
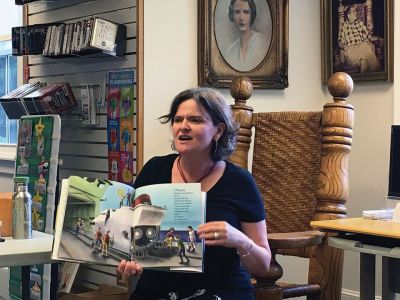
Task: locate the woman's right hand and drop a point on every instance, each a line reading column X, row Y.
column 127, row 269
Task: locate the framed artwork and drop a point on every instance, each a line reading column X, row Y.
column 357, row 38
column 243, row 38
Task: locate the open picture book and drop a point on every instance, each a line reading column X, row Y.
column 102, row 221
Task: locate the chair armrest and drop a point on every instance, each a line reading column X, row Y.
column 292, row 240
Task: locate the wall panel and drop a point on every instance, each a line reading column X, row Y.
column 83, row 148
column 92, row 140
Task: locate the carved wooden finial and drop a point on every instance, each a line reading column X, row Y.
column 340, row 85
column 241, row 88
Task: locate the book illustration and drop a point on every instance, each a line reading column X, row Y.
column 83, row 200
column 126, row 139
column 113, row 100
column 113, row 159
column 103, row 221
column 127, row 102
column 126, row 167
column 113, row 135
column 66, row 276
column 35, row 283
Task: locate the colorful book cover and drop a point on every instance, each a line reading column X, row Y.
column 113, row 102
column 102, row 222
column 37, row 158
column 113, row 135
column 127, row 102
column 121, row 123
column 113, row 166
column 125, row 167
column 126, row 137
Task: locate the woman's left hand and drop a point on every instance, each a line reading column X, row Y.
column 220, row 233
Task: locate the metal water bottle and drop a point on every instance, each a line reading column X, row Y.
column 22, row 213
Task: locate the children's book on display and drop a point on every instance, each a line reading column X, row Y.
column 37, row 158
column 102, row 221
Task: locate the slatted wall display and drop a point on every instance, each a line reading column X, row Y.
column 84, row 148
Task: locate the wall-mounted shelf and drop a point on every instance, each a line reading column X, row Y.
column 85, row 37
column 89, row 37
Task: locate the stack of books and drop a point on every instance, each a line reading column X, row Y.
column 37, row 99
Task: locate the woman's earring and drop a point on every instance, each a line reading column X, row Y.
column 215, row 147
column 173, row 146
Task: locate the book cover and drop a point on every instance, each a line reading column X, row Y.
column 66, row 276
column 104, row 35
column 104, row 221
column 51, row 99
column 121, row 122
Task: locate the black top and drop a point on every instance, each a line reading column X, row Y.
column 234, row 198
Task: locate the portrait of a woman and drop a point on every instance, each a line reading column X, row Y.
column 243, row 32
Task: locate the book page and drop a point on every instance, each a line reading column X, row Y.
column 89, row 216
column 166, row 220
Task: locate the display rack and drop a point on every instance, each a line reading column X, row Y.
column 86, row 37
column 38, row 99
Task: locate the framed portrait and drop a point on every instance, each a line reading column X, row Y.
column 357, row 38
column 243, row 38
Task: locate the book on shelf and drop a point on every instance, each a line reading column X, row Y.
column 83, row 37
column 103, row 221
column 38, row 98
column 89, row 98
column 30, row 40
column 13, row 103
column 104, row 35
column 51, row 99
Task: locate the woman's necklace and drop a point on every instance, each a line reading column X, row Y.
column 178, row 164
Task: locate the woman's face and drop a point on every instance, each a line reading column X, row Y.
column 352, row 15
column 193, row 129
column 242, row 15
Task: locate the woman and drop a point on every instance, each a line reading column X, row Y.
column 249, row 50
column 235, row 232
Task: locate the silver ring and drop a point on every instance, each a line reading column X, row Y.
column 216, row 235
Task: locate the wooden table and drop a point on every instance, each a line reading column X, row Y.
column 369, row 238
column 26, row 252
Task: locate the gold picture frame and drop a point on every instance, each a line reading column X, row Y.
column 365, row 56
column 266, row 63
